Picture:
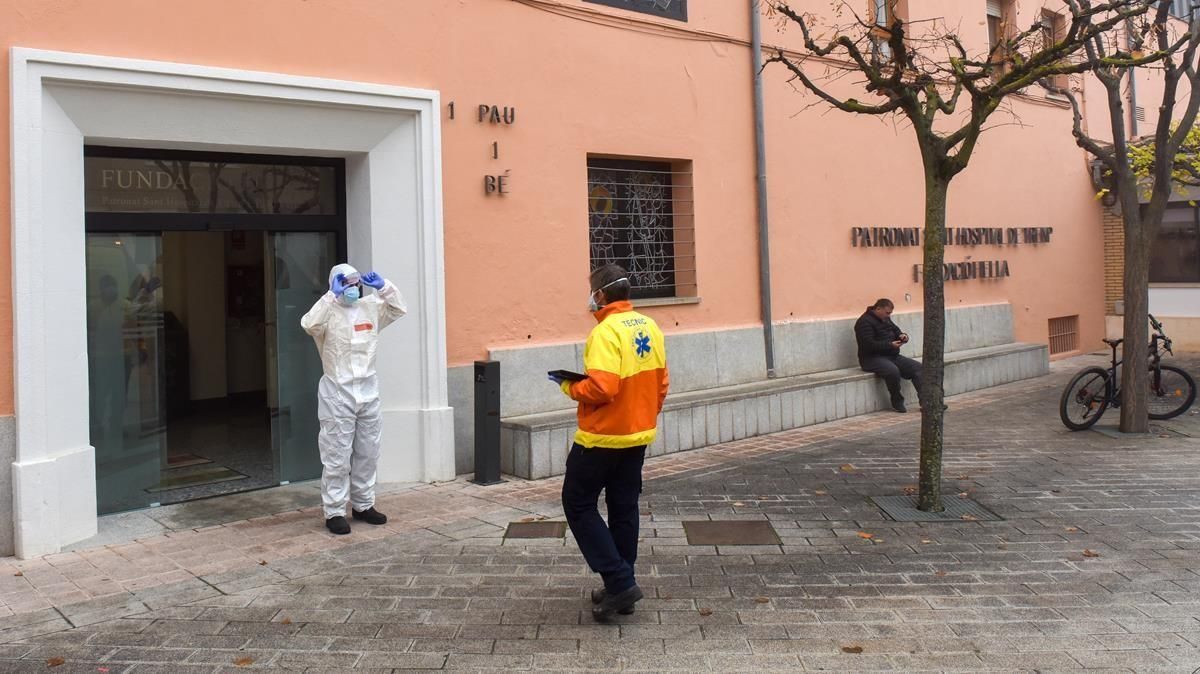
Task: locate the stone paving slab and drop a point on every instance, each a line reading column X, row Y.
column 1096, row 565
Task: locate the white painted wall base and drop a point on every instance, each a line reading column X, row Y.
column 390, row 137
column 48, row 495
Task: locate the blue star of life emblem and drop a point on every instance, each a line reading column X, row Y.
column 642, row 344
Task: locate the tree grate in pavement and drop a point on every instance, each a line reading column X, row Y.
column 1156, row 431
column 731, row 532
column 536, row 530
column 958, row 509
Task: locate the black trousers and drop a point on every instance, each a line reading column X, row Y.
column 611, row 550
column 893, row 369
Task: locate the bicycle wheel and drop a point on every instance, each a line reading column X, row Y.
column 1085, row 399
column 1172, row 391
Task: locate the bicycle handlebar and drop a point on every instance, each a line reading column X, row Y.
column 1154, row 323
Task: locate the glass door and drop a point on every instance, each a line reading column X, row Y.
column 126, row 367
column 296, row 267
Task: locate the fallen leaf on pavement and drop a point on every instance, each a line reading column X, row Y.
column 706, row 612
column 969, row 518
column 761, row 600
column 1090, row 553
column 964, row 494
column 852, row 649
column 244, row 661
column 1072, row 529
column 262, row 562
column 820, row 492
column 285, row 621
column 54, row 662
column 939, row 574
column 738, row 504
column 665, row 597
column 18, row 574
column 863, row 534
column 926, row 541
column 848, row 468
column 963, row 477
column 910, row 490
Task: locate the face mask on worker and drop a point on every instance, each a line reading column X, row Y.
column 352, row 294
column 594, row 306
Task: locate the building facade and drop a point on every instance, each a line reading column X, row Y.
column 181, row 177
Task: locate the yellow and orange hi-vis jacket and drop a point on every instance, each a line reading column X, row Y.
column 626, row 364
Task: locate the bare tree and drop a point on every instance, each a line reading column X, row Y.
column 1143, row 168
column 947, row 93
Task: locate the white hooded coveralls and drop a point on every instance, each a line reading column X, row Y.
column 348, row 395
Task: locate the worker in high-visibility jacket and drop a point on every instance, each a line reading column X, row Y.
column 619, row 402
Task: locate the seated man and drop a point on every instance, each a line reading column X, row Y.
column 879, row 342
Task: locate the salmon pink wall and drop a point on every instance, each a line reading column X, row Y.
column 516, row 264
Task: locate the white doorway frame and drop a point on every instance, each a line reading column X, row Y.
column 390, row 138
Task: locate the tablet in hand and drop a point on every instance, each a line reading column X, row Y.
column 567, row 375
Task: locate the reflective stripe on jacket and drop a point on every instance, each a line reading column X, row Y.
column 626, row 363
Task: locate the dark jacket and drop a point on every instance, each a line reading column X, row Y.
column 875, row 336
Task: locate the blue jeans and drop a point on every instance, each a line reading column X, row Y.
column 611, row 550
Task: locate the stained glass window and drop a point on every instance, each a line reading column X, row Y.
column 639, row 217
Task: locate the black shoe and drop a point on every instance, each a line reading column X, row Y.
column 615, row 603
column 338, row 525
column 370, row 516
column 599, row 595
column 898, row 405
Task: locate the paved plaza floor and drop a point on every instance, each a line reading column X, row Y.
column 1094, row 565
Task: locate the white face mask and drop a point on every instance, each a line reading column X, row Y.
column 593, row 306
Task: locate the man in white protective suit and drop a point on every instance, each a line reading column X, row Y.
column 345, row 325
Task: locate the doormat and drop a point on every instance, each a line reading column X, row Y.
column 731, row 532
column 536, row 530
column 185, row 460
column 197, row 478
column 904, row 509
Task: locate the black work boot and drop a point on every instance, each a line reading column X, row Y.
column 338, row 525
column 615, row 603
column 898, row 405
column 599, row 595
column 370, row 516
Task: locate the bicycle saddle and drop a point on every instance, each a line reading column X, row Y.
column 1113, row 342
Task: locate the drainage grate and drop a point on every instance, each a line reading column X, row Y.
column 731, row 532
column 904, row 509
column 536, row 530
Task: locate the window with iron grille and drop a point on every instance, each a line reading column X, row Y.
column 640, row 217
column 1064, row 334
column 669, row 9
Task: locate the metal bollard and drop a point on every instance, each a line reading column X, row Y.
column 487, row 422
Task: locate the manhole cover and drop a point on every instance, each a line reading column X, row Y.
column 731, row 532
column 958, row 509
column 536, row 530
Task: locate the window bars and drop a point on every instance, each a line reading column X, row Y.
column 640, row 216
column 1064, row 334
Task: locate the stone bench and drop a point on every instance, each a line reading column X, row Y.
column 535, row 445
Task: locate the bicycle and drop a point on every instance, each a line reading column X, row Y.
column 1094, row 389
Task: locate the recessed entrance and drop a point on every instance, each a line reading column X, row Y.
column 199, row 268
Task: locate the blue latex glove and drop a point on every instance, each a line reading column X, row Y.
column 555, row 379
column 339, row 285
column 374, row 280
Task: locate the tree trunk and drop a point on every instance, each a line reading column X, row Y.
column 933, row 353
column 1135, row 380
